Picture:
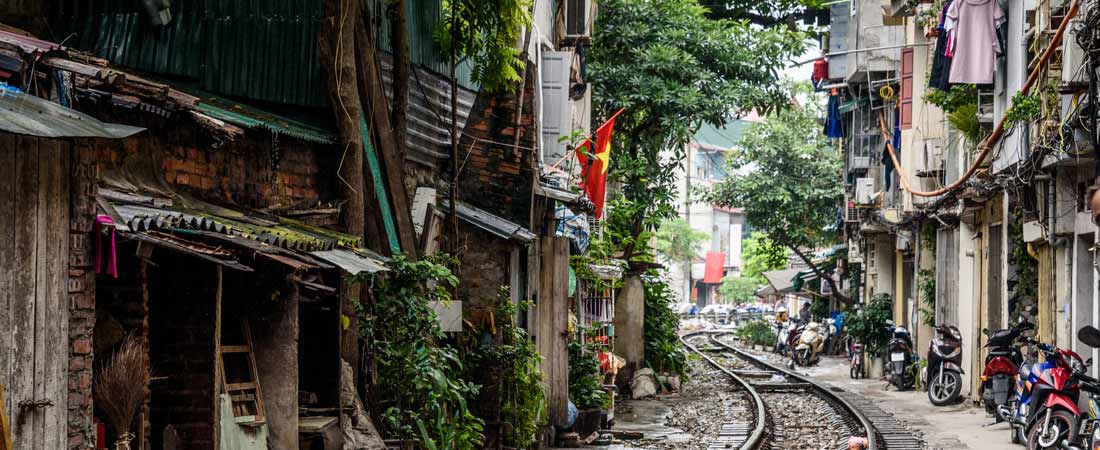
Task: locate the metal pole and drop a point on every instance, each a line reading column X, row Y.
column 861, row 50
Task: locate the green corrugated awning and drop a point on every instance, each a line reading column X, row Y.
column 850, row 105
column 250, row 117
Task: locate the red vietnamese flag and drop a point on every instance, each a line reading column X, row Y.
column 594, row 180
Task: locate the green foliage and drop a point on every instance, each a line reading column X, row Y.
column 1025, row 108
column 926, row 284
column 522, row 401
column 757, row 332
column 677, row 241
column 793, row 190
column 487, row 31
column 618, row 233
column 952, row 100
column 585, row 379
column 760, row 254
column 965, row 121
column 737, row 289
column 819, row 308
column 773, row 12
column 869, row 325
column 663, row 351
column 671, row 68
column 1025, row 267
column 425, row 397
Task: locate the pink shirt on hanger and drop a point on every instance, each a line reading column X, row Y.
column 974, row 40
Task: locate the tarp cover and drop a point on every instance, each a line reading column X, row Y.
column 715, row 267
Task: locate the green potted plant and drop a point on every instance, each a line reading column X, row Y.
column 586, row 387
column 870, row 326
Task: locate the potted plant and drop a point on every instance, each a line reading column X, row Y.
column 870, row 326
column 586, row 388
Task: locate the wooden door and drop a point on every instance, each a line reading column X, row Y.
column 34, row 314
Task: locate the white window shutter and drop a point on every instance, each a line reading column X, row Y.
column 556, row 113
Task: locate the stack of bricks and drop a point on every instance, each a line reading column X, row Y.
column 81, row 431
column 496, row 175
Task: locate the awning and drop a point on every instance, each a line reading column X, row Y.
column 715, row 270
column 208, row 231
column 782, row 280
column 23, row 113
column 490, row 222
column 354, row 262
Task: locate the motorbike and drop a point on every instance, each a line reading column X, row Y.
column 1047, row 391
column 794, row 336
column 810, row 343
column 944, row 366
column 855, row 359
column 782, row 330
column 1090, row 336
column 1001, row 366
column 900, row 350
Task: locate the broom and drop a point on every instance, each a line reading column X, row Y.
column 119, row 387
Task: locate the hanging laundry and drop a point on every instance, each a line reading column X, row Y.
column 941, row 63
column 974, row 46
column 105, row 223
column 834, row 127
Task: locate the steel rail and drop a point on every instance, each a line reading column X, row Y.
column 872, row 438
column 756, row 438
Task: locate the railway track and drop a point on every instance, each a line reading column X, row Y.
column 827, row 410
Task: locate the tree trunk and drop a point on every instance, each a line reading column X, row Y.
column 337, row 55
column 399, row 40
column 832, row 283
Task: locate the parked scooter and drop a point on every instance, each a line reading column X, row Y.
column 945, row 366
column 900, row 351
column 810, row 343
column 794, row 336
column 782, row 330
column 855, row 359
column 1088, row 424
column 1046, row 413
column 1001, row 366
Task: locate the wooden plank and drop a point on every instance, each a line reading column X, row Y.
column 41, row 289
column 246, row 386
column 255, row 373
column 7, row 274
column 235, row 349
column 24, row 265
column 56, row 319
column 5, row 429
column 552, row 322
column 219, row 370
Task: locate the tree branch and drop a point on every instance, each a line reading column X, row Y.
column 832, row 283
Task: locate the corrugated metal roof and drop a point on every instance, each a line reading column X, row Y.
column 250, row 117
column 722, row 138
column 490, row 222
column 353, row 262
column 22, row 113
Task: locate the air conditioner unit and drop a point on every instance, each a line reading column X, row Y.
column 865, row 191
column 851, row 212
column 576, row 22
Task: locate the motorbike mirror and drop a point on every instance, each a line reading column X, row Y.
column 1088, row 362
column 1089, row 335
column 985, row 331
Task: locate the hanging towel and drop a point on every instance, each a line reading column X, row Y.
column 975, row 45
column 834, row 127
column 105, row 222
column 941, row 62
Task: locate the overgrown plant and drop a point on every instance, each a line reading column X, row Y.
column 958, row 96
column 1025, row 108
column 425, row 396
column 488, row 33
column 869, row 325
column 926, row 284
column 513, row 355
column 585, row 379
column 663, row 351
column 757, row 332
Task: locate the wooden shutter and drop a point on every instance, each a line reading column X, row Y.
column 906, row 96
column 556, row 113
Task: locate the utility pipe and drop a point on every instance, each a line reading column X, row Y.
column 861, row 50
column 998, row 132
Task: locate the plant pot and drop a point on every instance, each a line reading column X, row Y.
column 769, row 349
column 875, row 365
column 588, row 422
column 758, row 347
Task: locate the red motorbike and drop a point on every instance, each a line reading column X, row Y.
column 1051, row 409
column 1001, row 366
column 794, row 336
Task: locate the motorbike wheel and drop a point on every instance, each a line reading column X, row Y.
column 1062, row 426
column 802, row 357
column 853, row 372
column 946, row 391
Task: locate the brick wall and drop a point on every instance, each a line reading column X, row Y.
column 256, row 171
column 484, row 268
column 81, row 297
column 495, row 175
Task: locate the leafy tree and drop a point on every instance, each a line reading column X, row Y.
column 760, row 254
column 677, row 241
column 672, row 69
column 737, row 289
column 766, row 13
column 486, row 31
column 792, row 191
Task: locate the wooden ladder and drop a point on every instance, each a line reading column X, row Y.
column 245, row 396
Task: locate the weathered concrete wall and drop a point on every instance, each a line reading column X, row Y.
column 630, row 323
column 275, row 343
column 485, row 266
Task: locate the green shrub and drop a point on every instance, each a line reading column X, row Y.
column 757, row 332
column 663, row 351
column 585, row 379
column 869, row 325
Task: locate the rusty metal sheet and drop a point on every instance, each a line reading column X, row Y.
column 352, row 262
column 22, row 113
